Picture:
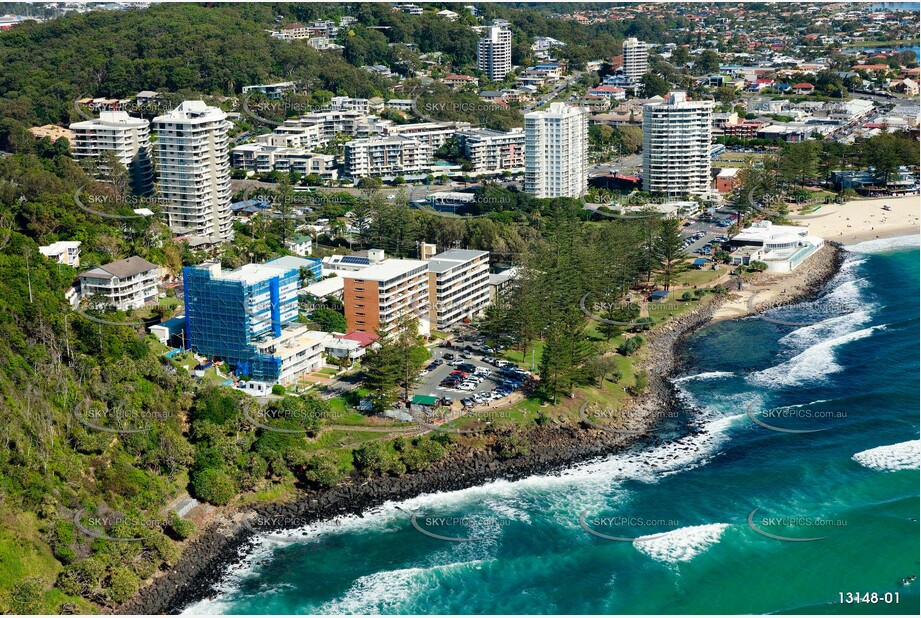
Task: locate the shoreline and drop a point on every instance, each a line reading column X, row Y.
column 203, row 562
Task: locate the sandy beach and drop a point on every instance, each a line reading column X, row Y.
column 848, row 223
column 860, row 220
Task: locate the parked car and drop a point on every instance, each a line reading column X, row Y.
column 447, row 401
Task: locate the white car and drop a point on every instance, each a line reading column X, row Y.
column 467, row 386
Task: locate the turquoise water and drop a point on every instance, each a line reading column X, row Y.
column 853, row 374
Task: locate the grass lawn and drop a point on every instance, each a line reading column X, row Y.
column 276, row 492
column 155, row 346
column 703, row 277
column 24, row 555
column 342, row 439
column 671, row 308
column 524, row 360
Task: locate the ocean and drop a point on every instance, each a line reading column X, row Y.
column 788, row 483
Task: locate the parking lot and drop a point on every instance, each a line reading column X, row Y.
column 706, row 231
column 430, row 382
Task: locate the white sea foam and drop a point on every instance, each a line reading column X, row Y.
column 811, row 365
column 386, row 592
column 832, row 328
column 707, row 375
column 901, row 456
column 682, row 544
column 851, row 262
column 883, row 245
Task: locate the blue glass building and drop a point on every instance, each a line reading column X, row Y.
column 227, row 313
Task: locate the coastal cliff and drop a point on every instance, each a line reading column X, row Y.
column 552, row 448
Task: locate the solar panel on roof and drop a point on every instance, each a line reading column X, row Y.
column 351, row 259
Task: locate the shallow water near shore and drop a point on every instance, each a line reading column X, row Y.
column 679, row 504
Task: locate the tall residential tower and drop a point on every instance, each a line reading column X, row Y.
column 636, row 59
column 127, row 138
column 494, row 53
column 194, row 167
column 676, row 146
column 556, row 152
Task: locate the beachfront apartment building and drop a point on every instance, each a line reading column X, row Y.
column 387, row 291
column 556, row 152
column 193, row 161
column 248, row 318
column 124, row 284
column 458, row 286
column 494, row 53
column 63, row 252
column 636, row 59
column 676, row 146
column 126, row 138
column 491, row 151
column 389, row 156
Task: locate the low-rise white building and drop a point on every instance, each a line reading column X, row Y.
column 124, row 284
column 301, row 245
column 299, row 349
column 493, row 151
column 781, row 247
column 261, row 159
column 63, row 252
column 391, row 156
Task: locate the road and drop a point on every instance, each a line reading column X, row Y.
column 560, row 87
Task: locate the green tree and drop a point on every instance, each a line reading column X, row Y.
column 653, row 85
column 708, row 62
column 330, row 320
column 669, row 251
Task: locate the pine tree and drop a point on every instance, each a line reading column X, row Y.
column 669, row 251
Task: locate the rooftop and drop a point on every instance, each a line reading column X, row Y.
column 121, row 269
column 386, row 270
column 446, row 260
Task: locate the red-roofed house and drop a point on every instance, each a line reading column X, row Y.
column 608, row 92
column 871, row 68
column 803, row 88
column 352, row 345
column 760, row 84
column 455, row 80
column 364, row 339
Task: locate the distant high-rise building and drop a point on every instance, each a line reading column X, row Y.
column 194, row 168
column 494, row 53
column 676, row 146
column 556, row 152
column 127, row 138
column 636, row 59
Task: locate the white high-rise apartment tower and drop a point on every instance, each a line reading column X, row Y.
column 676, row 146
column 636, row 59
column 194, row 167
column 494, row 53
column 556, row 152
column 127, row 138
